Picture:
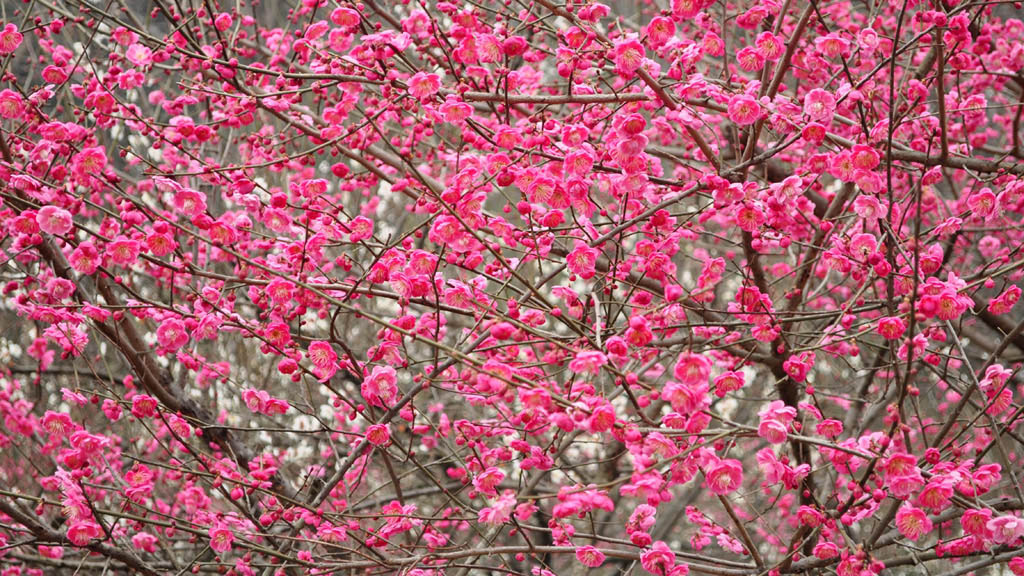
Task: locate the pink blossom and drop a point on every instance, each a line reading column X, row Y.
column 769, row 46
column 724, row 476
column 11, row 104
column 189, row 202
column 57, row 424
column 819, row 106
column 144, row 541
column 144, row 406
column 588, row 361
column 90, row 162
column 590, row 556
column 692, row 369
column 832, row 46
column 1005, row 301
column 660, row 30
column 345, row 17
column 171, row 334
column 223, row 21
column 750, row 59
column 975, row 522
column 829, row 428
column 324, row 360
column 1006, row 530
column 378, row 434
column 728, row 382
column 686, row 9
column 487, row 481
column 582, row 260
column 10, row 39
column 85, row 258
column 80, row 533
column 54, row 220
column 658, row 559
column 744, row 110
column 123, row 251
column 379, row 388
column 423, row 85
column 221, row 538
column 361, row 229
column 628, row 56
column 139, row 55
column 912, row 522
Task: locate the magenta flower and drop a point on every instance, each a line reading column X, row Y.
column 744, row 110
column 724, row 476
column 221, row 538
column 912, row 522
column 10, row 39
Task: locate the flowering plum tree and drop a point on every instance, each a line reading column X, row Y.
column 511, row 287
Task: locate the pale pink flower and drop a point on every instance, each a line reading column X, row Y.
column 819, row 106
column 590, row 556
column 54, row 220
column 1006, row 529
column 487, row 481
column 588, row 362
column 139, row 55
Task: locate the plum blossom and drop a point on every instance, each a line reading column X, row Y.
column 628, row 56
column 380, row 388
column 378, row 434
column 54, row 220
column 221, row 538
column 1006, row 529
column 912, row 522
column 171, row 334
column 724, row 476
column 423, row 85
column 590, row 556
column 819, row 106
column 744, row 110
column 10, row 39
column 324, row 360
